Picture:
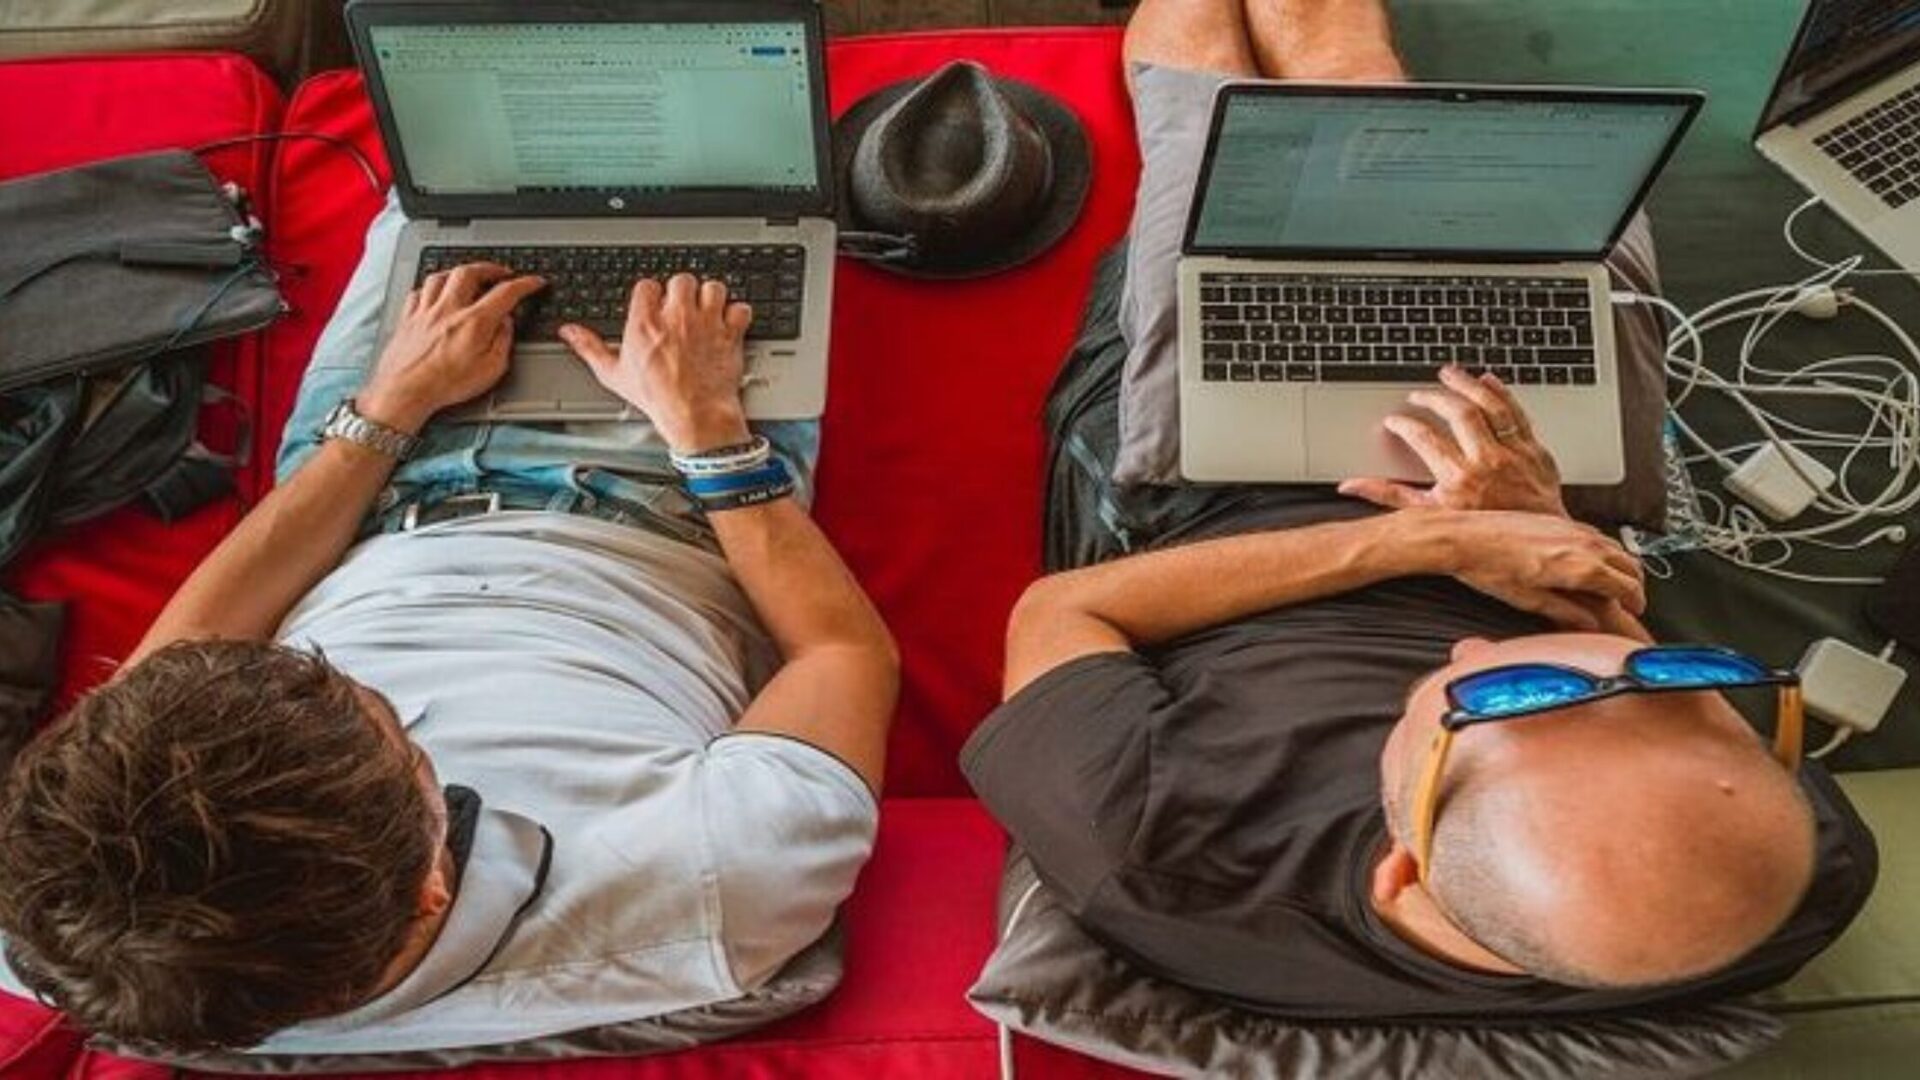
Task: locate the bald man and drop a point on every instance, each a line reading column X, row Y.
column 1211, row 750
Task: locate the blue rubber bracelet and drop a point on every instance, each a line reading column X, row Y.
column 772, row 473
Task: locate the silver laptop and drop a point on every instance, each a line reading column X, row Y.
column 598, row 143
column 1345, row 242
column 1844, row 117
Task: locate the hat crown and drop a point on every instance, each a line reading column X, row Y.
column 955, row 163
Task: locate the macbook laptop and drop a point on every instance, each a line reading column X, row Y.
column 1844, row 117
column 598, row 143
column 1347, row 241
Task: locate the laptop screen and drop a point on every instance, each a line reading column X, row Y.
column 634, row 109
column 1407, row 172
column 1842, row 44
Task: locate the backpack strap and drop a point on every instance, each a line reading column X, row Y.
column 36, row 428
column 191, row 481
column 199, row 475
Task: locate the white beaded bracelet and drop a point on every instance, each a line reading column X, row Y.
column 725, row 460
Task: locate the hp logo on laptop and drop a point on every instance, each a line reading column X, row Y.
column 617, row 203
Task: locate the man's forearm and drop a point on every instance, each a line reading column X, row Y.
column 841, row 676
column 803, row 592
column 288, row 543
column 1159, row 596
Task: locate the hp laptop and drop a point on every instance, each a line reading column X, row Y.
column 1345, row 242
column 598, row 143
column 1844, row 118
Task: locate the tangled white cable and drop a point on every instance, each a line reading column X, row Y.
column 1842, row 516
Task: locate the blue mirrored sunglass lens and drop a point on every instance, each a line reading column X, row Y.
column 1505, row 691
column 1694, row 667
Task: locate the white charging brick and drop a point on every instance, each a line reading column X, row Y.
column 1766, row 482
column 1846, row 687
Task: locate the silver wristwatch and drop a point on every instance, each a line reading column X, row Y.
column 344, row 423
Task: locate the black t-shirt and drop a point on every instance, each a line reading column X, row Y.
column 1211, row 810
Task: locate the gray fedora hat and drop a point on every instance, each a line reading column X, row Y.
column 958, row 174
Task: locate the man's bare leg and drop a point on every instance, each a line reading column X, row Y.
column 1325, row 40
column 1195, row 35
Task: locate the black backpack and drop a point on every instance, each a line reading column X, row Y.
column 114, row 277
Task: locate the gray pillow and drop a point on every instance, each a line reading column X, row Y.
column 1149, row 389
column 1049, row 980
column 805, row 980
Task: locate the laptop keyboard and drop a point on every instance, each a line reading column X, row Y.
column 1372, row 329
column 591, row 285
column 1881, row 147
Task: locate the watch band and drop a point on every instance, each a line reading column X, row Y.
column 345, row 423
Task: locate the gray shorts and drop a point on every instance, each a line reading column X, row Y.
column 1172, row 109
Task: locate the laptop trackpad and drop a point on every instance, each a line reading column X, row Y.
column 551, row 383
column 1346, row 439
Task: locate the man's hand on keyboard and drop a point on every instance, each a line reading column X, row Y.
column 451, row 344
column 1486, row 457
column 680, row 361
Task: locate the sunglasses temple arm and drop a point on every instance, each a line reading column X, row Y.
column 1789, row 728
column 1426, row 799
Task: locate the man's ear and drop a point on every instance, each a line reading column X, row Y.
column 436, row 893
column 1468, row 647
column 1395, row 873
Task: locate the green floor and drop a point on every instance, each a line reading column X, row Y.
column 1717, row 215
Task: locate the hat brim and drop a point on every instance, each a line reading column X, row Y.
column 1072, row 175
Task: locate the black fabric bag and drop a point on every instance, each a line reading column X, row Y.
column 119, row 261
column 73, row 451
column 29, row 667
column 112, row 276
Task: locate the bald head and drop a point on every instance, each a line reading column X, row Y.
column 1639, row 840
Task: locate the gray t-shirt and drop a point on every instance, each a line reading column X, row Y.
column 633, row 857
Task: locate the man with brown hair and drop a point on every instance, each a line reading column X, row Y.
column 660, row 727
column 155, row 796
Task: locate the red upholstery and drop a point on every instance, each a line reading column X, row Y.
column 930, row 480
column 931, row 484
column 321, row 206
column 118, row 571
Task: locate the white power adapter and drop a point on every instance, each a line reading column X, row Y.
column 1766, row 482
column 1846, row 687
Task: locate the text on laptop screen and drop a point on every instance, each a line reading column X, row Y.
column 1840, row 43
column 504, row 108
column 1378, row 175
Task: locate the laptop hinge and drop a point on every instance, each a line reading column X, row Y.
column 784, row 219
column 453, row 222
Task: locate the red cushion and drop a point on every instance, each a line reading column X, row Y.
column 58, row 112
column 322, row 205
column 930, row 483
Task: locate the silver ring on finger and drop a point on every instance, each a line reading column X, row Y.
column 1506, row 433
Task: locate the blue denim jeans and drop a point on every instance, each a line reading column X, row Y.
column 618, row 470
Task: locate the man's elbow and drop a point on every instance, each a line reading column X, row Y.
column 874, row 649
column 1036, row 615
column 886, row 656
